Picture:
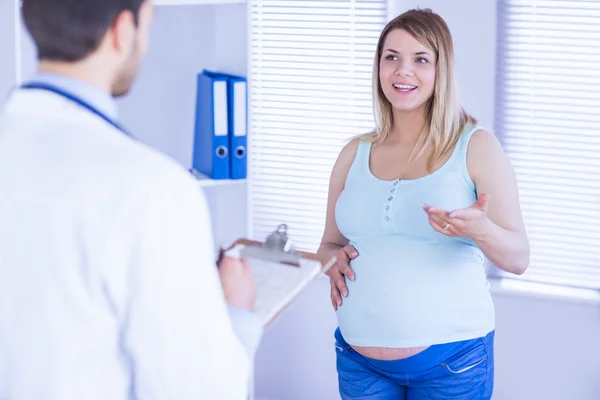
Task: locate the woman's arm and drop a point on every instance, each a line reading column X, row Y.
column 333, row 239
column 333, row 242
column 503, row 239
column 494, row 222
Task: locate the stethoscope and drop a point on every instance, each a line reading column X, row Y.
column 77, row 100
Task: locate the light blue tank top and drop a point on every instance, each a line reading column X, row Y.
column 413, row 286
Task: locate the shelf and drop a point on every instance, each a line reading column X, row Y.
column 205, row 181
column 195, row 2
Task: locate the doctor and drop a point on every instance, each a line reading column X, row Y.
column 108, row 285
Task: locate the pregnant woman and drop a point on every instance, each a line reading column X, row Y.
column 413, row 210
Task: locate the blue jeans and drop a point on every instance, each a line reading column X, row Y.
column 461, row 370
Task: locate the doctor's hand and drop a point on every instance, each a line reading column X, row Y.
column 471, row 222
column 238, row 284
column 338, row 272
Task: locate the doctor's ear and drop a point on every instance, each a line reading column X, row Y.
column 122, row 34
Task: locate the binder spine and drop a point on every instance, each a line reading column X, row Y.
column 239, row 126
column 211, row 153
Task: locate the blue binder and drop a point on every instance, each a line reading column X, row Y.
column 238, row 126
column 211, row 154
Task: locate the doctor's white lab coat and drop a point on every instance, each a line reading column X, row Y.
column 108, row 284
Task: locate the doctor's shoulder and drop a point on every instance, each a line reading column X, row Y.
column 145, row 169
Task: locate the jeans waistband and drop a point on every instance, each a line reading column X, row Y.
column 419, row 362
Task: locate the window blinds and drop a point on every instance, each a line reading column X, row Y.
column 548, row 117
column 310, row 93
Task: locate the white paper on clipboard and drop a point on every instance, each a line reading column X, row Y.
column 280, row 272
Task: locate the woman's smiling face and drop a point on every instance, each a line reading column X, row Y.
column 406, row 71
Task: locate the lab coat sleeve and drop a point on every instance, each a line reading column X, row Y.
column 248, row 327
column 178, row 330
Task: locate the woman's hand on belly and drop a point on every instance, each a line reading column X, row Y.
column 338, row 272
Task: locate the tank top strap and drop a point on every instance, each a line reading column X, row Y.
column 462, row 146
column 360, row 165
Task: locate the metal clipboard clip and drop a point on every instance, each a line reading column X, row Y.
column 278, row 247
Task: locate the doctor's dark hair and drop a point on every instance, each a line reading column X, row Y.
column 70, row 30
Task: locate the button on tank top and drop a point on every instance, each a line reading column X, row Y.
column 414, row 286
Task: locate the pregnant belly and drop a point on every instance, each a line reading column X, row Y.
column 402, row 300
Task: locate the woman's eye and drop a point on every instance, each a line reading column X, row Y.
column 422, row 60
column 391, row 57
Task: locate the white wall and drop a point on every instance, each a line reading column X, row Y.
column 546, row 348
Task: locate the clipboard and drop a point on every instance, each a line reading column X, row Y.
column 280, row 271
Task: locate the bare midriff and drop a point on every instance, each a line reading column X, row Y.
column 387, row 353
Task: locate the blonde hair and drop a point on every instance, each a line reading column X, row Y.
column 445, row 117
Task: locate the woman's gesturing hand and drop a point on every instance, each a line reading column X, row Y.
column 471, row 222
column 338, row 272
